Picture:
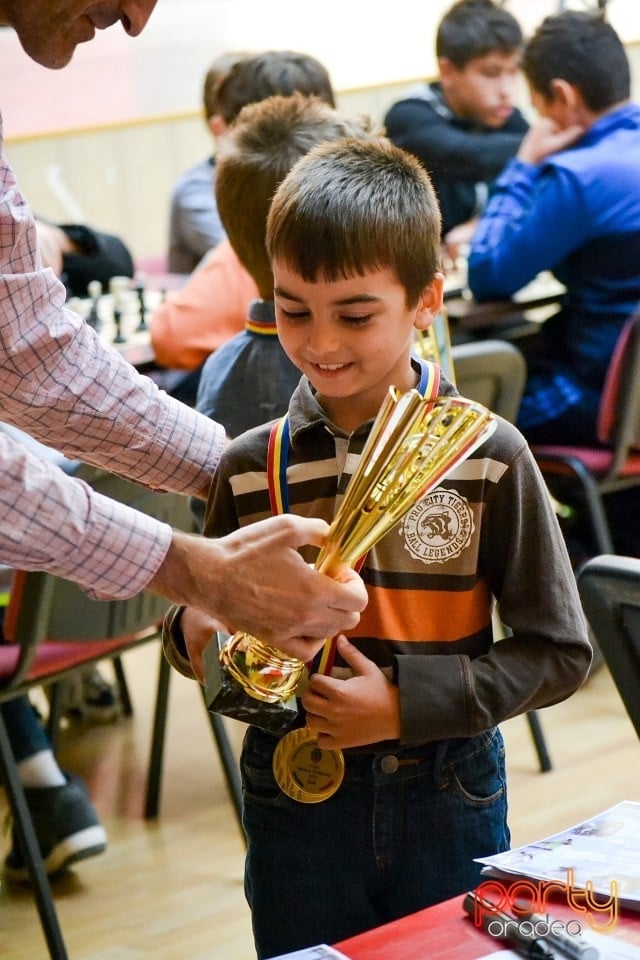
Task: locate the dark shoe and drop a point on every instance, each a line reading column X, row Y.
column 67, row 828
column 92, row 698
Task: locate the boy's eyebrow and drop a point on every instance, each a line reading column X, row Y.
column 345, row 302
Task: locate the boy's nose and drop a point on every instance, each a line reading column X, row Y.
column 323, row 341
column 507, row 87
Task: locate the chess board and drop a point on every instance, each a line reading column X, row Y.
column 121, row 316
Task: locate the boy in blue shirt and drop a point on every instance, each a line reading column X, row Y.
column 570, row 203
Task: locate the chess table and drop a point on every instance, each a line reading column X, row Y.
column 121, row 315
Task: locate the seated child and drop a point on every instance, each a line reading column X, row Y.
column 194, row 223
column 193, row 322
column 464, row 126
column 418, row 689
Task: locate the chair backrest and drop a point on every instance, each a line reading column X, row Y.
column 619, row 415
column 44, row 608
column 609, row 588
column 492, row 372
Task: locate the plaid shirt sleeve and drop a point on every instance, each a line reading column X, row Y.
column 62, row 385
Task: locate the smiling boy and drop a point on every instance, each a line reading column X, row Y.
column 417, row 691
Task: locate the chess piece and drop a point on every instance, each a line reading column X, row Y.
column 94, row 289
column 118, row 288
column 139, row 289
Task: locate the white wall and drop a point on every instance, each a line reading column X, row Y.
column 114, row 79
column 103, row 139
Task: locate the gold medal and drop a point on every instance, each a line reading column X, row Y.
column 303, row 770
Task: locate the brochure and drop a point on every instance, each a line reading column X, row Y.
column 599, row 859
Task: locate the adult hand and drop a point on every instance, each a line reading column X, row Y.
column 197, row 629
column 255, row 580
column 352, row 713
column 545, row 137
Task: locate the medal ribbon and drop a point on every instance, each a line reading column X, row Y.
column 277, row 460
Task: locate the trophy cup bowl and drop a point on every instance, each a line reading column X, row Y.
column 413, row 445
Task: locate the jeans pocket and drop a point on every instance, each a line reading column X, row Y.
column 475, row 769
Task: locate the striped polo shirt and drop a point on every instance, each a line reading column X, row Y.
column 432, row 579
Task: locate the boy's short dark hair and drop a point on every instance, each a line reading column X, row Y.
column 357, row 205
column 474, row 28
column 583, row 49
column 257, row 154
column 220, row 66
column 273, row 73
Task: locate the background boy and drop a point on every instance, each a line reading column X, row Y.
column 570, row 202
column 464, row 127
column 194, row 224
column 250, row 379
column 353, row 236
column 193, row 322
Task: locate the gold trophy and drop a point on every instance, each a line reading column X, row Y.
column 413, row 444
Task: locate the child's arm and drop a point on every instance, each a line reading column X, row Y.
column 352, row 713
column 524, row 560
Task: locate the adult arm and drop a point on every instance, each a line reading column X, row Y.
column 60, row 384
column 193, row 322
column 459, row 152
column 54, row 522
column 548, row 655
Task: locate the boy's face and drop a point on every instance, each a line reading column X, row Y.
column 484, row 90
column 352, row 338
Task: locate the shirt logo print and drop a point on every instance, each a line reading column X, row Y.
column 439, row 527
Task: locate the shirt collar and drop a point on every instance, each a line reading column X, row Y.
column 306, row 414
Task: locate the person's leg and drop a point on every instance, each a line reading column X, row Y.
column 89, row 696
column 66, row 824
column 433, row 817
column 308, row 870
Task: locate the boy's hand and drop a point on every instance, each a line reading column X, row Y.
column 545, row 137
column 352, row 713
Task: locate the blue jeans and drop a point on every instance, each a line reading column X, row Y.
column 385, row 845
column 24, row 729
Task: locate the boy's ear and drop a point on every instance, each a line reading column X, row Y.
column 217, row 125
column 446, row 69
column 567, row 98
column 430, row 303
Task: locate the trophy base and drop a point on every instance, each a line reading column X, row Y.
column 225, row 696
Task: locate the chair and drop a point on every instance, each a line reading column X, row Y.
column 52, row 629
column 493, row 372
column 609, row 588
column 614, row 466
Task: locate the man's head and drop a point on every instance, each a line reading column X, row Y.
column 478, row 46
column 353, row 235
column 50, row 30
column 273, row 73
column 255, row 156
column 576, row 52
